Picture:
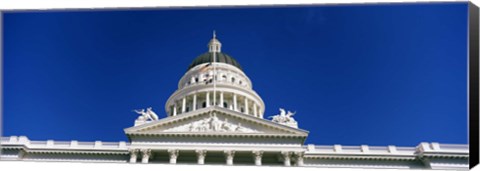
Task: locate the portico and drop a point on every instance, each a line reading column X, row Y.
column 200, row 156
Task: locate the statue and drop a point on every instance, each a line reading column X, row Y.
column 148, row 115
column 152, row 114
column 289, row 116
column 215, row 123
column 143, row 115
column 282, row 111
column 284, row 117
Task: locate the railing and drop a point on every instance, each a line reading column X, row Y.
column 86, row 143
column 38, row 142
column 2, row 139
column 363, row 149
column 406, row 149
column 437, row 147
column 387, row 150
column 351, row 148
column 22, row 140
column 378, row 148
column 454, row 147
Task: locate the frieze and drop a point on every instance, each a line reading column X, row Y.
column 212, row 124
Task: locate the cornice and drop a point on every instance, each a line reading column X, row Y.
column 361, row 157
column 93, row 151
column 247, row 135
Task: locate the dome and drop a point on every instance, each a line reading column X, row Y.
column 220, row 57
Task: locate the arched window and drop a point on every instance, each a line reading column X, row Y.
column 225, row 104
column 241, row 109
column 233, row 79
column 196, row 79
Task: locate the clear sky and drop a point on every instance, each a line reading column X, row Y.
column 355, row 74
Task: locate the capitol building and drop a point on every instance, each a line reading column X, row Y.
column 215, row 117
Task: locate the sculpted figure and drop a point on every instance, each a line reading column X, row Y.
column 239, row 128
column 143, row 115
column 193, row 127
column 146, row 115
column 282, row 112
column 152, row 115
column 215, row 123
column 212, row 124
column 284, row 117
column 289, row 117
column 205, row 126
column 227, row 126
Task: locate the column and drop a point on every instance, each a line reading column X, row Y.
column 229, row 154
column 255, row 109
column 133, row 155
column 299, row 157
column 201, row 154
column 175, row 109
column 194, row 106
column 173, row 155
column 146, row 155
column 235, row 102
column 246, row 105
column 207, row 100
column 257, row 155
column 286, row 158
column 21, row 154
column 184, row 104
column 221, row 99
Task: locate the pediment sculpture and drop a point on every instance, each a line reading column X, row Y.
column 284, row 117
column 146, row 115
column 212, row 124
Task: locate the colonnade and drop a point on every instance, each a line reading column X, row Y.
column 227, row 100
column 286, row 156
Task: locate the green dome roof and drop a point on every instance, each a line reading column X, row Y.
column 220, row 57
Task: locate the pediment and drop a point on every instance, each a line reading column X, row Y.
column 215, row 121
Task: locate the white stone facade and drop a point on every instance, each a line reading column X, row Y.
column 216, row 118
column 423, row 156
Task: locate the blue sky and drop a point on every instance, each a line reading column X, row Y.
column 355, row 74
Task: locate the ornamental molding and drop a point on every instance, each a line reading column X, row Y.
column 12, row 147
column 77, row 152
column 362, row 157
column 449, row 156
column 221, row 134
column 63, row 151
